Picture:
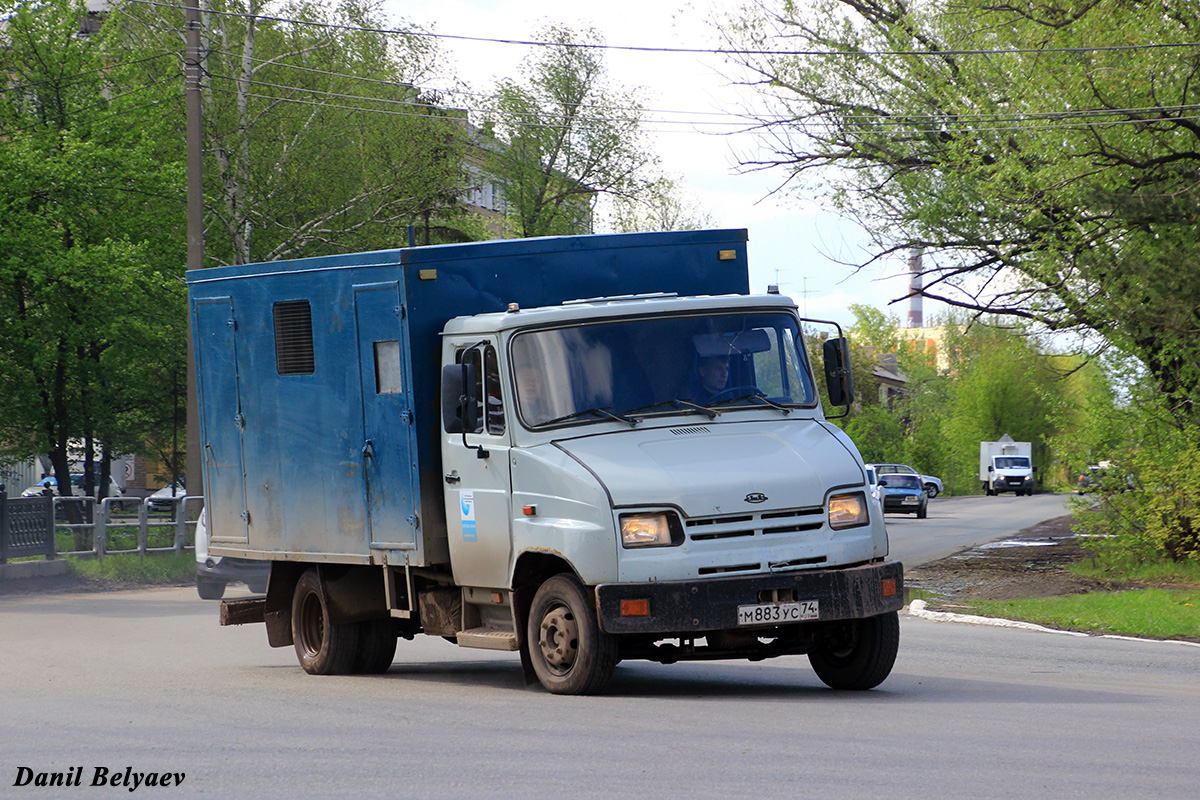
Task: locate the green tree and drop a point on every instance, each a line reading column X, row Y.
column 91, row 245
column 565, row 137
column 316, row 139
column 1004, row 384
column 1044, row 176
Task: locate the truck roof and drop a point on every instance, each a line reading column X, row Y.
column 611, row 307
column 587, row 247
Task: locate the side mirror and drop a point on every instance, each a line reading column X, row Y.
column 838, row 378
column 460, row 406
column 883, row 483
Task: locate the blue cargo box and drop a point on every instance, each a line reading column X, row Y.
column 319, row 378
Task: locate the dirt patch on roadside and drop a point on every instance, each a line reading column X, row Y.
column 1031, row 563
column 69, row 584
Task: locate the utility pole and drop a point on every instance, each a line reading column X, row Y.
column 195, row 232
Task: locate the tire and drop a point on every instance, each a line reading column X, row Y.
column 321, row 647
column 861, row 658
column 569, row 652
column 376, row 646
column 931, row 490
column 922, row 512
column 208, row 589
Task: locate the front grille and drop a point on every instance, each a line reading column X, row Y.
column 795, row 520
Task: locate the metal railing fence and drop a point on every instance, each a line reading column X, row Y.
column 83, row 526
column 26, row 527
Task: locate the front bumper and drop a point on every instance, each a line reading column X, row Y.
column 687, row 608
column 902, row 503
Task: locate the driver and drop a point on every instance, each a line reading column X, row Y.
column 714, row 374
column 711, row 378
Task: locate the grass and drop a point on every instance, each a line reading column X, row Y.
column 1149, row 613
column 157, row 568
column 1184, row 573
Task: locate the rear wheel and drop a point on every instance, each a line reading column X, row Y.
column 376, row 646
column 569, row 652
column 860, row 655
column 321, row 647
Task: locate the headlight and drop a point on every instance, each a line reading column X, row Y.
column 651, row 530
column 847, row 510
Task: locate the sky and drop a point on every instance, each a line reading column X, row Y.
column 794, row 242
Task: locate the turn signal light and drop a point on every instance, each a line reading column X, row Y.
column 635, row 608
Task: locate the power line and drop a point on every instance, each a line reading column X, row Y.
column 689, row 50
column 931, row 124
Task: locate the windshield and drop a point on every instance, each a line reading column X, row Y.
column 901, row 481
column 660, row 365
column 1012, row 462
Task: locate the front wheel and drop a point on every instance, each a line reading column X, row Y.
column 569, row 652
column 860, row 655
column 931, row 490
column 321, row 647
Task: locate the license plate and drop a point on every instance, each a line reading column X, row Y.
column 772, row 613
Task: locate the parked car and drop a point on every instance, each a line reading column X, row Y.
column 933, row 486
column 1101, row 476
column 214, row 573
column 48, row 482
column 166, row 498
column 1087, row 479
column 77, row 490
column 904, row 494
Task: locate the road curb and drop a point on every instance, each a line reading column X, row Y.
column 917, row 608
column 20, row 570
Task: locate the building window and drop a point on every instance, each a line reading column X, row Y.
column 293, row 338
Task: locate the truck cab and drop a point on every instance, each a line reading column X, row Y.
column 580, row 442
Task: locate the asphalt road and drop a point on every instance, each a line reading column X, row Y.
column 956, row 523
column 147, row 680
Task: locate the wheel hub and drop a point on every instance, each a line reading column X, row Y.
column 559, row 638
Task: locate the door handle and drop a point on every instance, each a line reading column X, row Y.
column 453, row 478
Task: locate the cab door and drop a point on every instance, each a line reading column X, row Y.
column 478, row 488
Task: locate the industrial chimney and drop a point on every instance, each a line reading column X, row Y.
column 916, row 318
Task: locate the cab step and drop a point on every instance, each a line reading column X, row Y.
column 488, row 639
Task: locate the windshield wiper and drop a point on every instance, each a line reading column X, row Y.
column 758, row 398
column 746, row 395
column 689, row 407
column 606, row 411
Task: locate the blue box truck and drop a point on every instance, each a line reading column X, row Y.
column 583, row 449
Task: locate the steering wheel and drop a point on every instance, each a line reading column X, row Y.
column 735, row 391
